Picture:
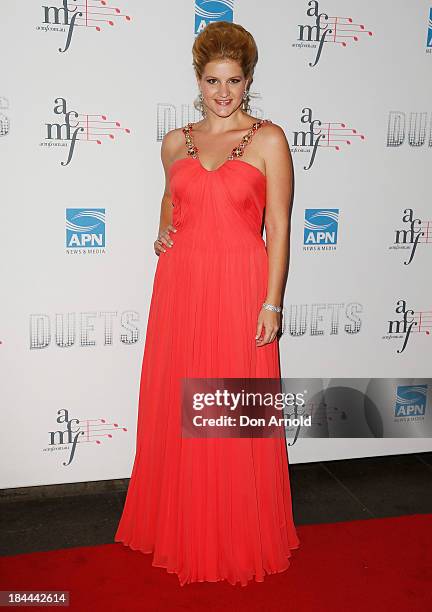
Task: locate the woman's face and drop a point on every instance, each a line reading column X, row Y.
column 222, row 84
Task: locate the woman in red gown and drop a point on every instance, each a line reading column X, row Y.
column 214, row 509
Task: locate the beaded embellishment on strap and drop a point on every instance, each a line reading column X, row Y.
column 238, row 150
column 192, row 150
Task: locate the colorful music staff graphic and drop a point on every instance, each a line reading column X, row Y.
column 94, row 430
column 426, row 232
column 423, row 321
column 333, row 134
column 343, row 30
column 96, row 127
column 97, row 14
column 322, row 414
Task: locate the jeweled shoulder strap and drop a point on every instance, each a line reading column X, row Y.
column 238, row 150
column 192, row 150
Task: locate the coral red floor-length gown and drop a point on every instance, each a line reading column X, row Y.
column 217, row 508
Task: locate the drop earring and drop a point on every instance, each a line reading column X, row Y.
column 199, row 103
column 246, row 100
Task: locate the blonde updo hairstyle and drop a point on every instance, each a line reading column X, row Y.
column 225, row 40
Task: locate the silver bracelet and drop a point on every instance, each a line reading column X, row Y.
column 272, row 307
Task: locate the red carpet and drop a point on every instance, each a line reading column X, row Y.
column 370, row 565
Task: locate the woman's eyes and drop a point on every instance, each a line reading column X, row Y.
column 211, row 81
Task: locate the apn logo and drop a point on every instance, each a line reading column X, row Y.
column 410, row 401
column 93, row 16
column 326, row 29
column 328, row 135
column 207, row 11
column 89, row 128
column 320, row 229
column 85, row 228
column 417, row 232
column 429, row 33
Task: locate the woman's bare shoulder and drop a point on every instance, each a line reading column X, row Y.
column 173, row 137
column 273, row 132
column 171, row 143
column 272, row 138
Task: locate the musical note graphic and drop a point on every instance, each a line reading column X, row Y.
column 96, row 13
column 92, row 123
column 95, row 429
column 423, row 319
column 320, row 412
column 343, row 29
column 426, row 229
column 335, row 132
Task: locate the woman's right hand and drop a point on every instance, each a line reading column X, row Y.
column 164, row 238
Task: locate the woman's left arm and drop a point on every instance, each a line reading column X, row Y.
column 279, row 172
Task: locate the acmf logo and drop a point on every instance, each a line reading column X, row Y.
column 321, row 134
column 79, row 127
column 93, row 16
column 79, row 431
column 336, row 30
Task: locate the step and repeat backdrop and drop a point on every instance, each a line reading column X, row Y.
column 87, row 92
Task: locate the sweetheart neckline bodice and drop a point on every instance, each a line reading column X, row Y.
column 236, row 152
column 241, row 161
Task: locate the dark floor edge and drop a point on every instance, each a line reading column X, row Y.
column 120, row 485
